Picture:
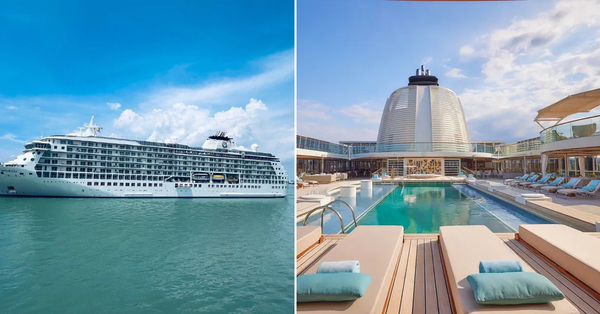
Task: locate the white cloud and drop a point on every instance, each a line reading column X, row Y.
column 363, row 112
column 113, row 105
column 189, row 124
column 426, row 60
column 11, row 108
column 466, row 51
column 455, row 73
column 312, row 110
column 525, row 72
column 277, row 68
column 11, row 137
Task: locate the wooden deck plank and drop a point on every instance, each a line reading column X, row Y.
column 443, row 295
column 540, row 262
column 420, row 282
column 314, row 255
column 419, row 297
column 315, row 251
column 431, row 304
column 571, row 291
column 406, row 304
column 398, row 284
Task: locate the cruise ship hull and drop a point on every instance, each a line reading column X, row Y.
column 23, row 182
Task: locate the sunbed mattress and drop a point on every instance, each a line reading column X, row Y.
column 377, row 248
column 576, row 252
column 306, row 236
column 463, row 247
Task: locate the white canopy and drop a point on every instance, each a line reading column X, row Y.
column 582, row 102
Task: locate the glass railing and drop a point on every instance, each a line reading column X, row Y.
column 519, row 147
column 304, row 142
column 569, row 130
column 350, row 150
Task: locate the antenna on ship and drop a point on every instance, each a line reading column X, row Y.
column 93, row 127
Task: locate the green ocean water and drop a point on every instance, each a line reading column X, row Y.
column 146, row 255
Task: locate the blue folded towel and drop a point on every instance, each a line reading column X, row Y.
column 500, row 266
column 339, row 267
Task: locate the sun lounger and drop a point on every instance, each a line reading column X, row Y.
column 521, row 178
column 306, row 237
column 463, row 247
column 576, row 252
column 529, row 179
column 538, row 186
column 377, row 248
column 569, row 185
column 589, row 190
column 543, row 180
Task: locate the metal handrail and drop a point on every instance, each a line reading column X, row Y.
column 328, row 206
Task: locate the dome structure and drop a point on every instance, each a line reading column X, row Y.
column 423, row 117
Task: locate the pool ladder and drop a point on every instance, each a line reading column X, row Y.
column 328, row 206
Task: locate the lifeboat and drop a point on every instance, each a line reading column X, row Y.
column 201, row 176
column 218, row 177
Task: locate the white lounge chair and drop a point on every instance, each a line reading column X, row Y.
column 589, row 190
column 569, row 185
column 543, row 180
column 576, row 252
column 463, row 247
column 538, row 186
column 377, row 248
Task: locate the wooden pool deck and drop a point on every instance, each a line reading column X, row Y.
column 419, row 285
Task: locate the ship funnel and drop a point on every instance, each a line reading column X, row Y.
column 254, row 147
column 422, row 72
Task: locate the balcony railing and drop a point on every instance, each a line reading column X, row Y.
column 569, row 130
column 350, row 150
column 519, row 147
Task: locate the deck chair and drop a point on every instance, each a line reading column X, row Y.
column 543, row 180
column 377, row 248
column 555, row 182
column 588, row 190
column 521, row 178
column 306, row 238
column 576, row 252
column 463, row 247
column 569, row 185
column 529, row 179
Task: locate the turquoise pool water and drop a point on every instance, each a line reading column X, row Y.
column 423, row 209
column 363, row 201
column 147, row 255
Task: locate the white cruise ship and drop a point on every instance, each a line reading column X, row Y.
column 84, row 164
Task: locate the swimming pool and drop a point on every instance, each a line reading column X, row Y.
column 423, row 209
column 361, row 203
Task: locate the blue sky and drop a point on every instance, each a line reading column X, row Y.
column 505, row 60
column 162, row 70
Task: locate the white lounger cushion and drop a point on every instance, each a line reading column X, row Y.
column 463, row 247
column 377, row 249
column 306, row 236
column 533, row 195
column 576, row 252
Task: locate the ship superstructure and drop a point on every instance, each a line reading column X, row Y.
column 84, row 164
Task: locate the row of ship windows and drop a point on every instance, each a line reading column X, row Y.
column 179, row 185
column 61, row 175
column 149, row 159
column 183, row 154
column 135, row 171
column 125, row 170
